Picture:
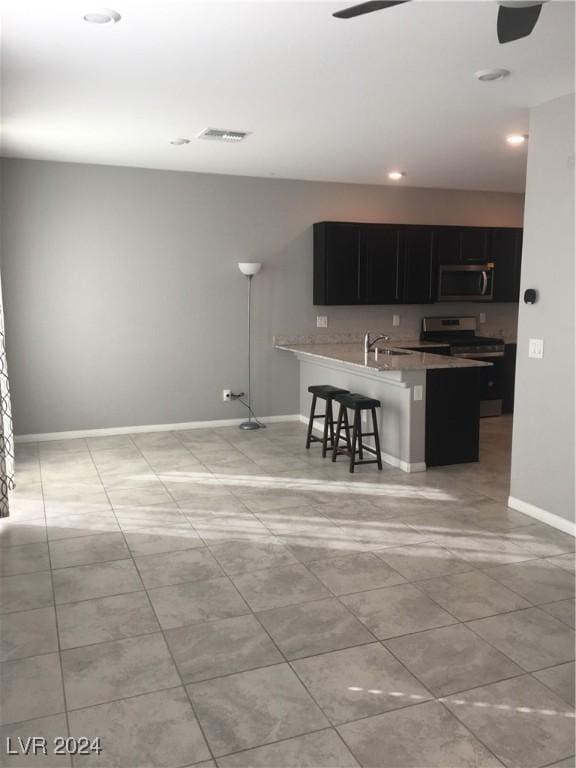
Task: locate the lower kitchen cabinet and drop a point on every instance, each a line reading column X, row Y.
column 452, row 416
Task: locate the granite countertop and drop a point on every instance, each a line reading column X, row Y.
column 353, row 354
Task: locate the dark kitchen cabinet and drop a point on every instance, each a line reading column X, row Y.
column 336, row 263
column 474, row 245
column 380, row 264
column 398, row 264
column 506, row 254
column 452, row 416
column 462, row 245
column 417, row 266
column 447, row 245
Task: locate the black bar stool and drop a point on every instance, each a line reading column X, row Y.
column 325, row 392
column 355, row 445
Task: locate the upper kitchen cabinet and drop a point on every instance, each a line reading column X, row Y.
column 474, row 242
column 398, row 263
column 462, row 245
column 380, row 264
column 337, row 263
column 506, row 253
column 447, row 245
column 417, row 266
column 356, row 263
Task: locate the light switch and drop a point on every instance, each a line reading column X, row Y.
column 321, row 321
column 482, row 317
column 418, row 392
column 536, row 348
column 395, row 320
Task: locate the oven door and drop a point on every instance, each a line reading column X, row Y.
column 465, row 283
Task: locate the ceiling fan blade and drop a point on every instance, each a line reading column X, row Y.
column 373, row 5
column 514, row 23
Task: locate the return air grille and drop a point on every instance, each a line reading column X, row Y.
column 218, row 134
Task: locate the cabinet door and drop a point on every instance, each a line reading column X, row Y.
column 342, row 263
column 506, row 253
column 417, row 274
column 380, row 264
column 474, row 245
column 447, row 245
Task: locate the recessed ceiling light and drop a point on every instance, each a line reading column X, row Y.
column 516, row 139
column 179, row 142
column 490, row 75
column 396, row 175
column 102, row 16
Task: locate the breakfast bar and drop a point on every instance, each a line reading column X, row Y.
column 430, row 402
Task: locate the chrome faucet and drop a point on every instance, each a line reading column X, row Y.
column 369, row 343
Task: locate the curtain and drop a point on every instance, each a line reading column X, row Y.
column 6, row 435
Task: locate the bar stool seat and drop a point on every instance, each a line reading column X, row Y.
column 327, row 393
column 327, row 389
column 353, row 399
column 355, row 443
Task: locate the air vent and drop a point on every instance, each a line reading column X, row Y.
column 218, row 134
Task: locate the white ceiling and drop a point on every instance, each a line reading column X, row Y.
column 324, row 99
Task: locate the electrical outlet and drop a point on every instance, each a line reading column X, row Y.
column 321, row 321
column 482, row 317
column 418, row 392
column 226, row 395
column 396, row 320
column 536, row 348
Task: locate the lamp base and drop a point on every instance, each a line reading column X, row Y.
column 249, row 425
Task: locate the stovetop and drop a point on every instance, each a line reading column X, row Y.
column 461, row 339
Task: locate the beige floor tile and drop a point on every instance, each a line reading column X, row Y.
column 154, row 730
column 521, row 721
column 30, row 688
column 105, row 672
column 254, row 708
column 532, row 638
column 424, row 735
column 395, row 611
column 216, row 648
column 359, row 682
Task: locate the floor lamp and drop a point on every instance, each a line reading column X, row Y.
column 249, row 268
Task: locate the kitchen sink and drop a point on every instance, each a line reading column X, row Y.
column 391, row 352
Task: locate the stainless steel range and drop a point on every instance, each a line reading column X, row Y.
column 460, row 334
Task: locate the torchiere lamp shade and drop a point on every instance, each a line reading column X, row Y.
column 249, row 268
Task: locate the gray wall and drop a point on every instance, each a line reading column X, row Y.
column 124, row 305
column 543, row 440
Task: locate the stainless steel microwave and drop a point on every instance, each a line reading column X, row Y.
column 465, row 282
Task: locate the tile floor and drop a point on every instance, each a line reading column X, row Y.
column 223, row 598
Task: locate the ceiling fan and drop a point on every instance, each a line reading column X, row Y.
column 516, row 18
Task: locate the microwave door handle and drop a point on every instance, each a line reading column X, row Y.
column 484, row 283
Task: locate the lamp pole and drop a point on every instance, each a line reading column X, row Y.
column 249, row 269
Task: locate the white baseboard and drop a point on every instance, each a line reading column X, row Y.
column 105, row 432
column 567, row 526
column 387, row 458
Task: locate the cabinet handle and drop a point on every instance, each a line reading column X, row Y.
column 359, row 272
column 397, row 266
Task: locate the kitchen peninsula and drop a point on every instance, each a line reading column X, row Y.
column 430, row 402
